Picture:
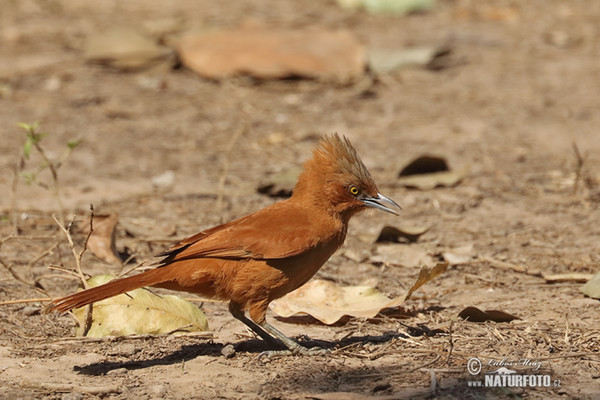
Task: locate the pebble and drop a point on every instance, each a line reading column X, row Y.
column 158, row 390
column 228, row 351
column 117, row 371
column 72, row 396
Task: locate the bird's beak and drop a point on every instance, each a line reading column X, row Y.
column 383, row 203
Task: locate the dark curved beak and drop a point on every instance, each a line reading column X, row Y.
column 383, row 203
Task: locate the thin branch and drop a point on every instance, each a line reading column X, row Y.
column 37, row 287
column 7, row 302
column 56, row 186
column 226, row 164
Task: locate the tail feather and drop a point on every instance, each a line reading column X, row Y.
column 110, row 289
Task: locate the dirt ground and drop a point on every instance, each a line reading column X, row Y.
column 521, row 89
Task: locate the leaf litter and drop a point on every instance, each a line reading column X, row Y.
column 140, row 312
column 329, row 302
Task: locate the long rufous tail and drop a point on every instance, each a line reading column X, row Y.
column 110, row 289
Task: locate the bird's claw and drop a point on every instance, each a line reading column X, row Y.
column 300, row 350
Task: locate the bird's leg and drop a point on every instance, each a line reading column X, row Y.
column 273, row 336
column 238, row 314
column 293, row 347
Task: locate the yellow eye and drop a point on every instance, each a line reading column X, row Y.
column 353, row 190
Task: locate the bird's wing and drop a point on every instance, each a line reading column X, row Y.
column 279, row 231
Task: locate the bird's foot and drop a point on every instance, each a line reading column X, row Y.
column 300, row 350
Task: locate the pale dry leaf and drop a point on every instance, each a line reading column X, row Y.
column 428, row 172
column 592, row 287
column 402, row 255
column 459, row 255
column 124, row 48
column 280, row 184
column 576, row 277
column 102, row 242
column 140, row 312
column 433, row 180
column 328, row 302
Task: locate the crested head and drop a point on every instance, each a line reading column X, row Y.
column 336, row 179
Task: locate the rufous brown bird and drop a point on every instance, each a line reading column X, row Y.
column 258, row 258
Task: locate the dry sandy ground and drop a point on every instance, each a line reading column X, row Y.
column 521, row 89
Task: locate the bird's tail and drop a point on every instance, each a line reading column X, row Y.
column 110, row 289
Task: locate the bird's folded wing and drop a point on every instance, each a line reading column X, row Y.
column 275, row 232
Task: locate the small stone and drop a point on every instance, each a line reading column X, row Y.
column 164, row 180
column 228, row 351
column 117, row 371
column 72, row 396
column 158, row 390
column 31, row 310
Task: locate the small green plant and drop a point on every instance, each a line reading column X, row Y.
column 33, row 141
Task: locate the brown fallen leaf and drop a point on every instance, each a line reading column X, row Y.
column 317, row 53
column 328, row 302
column 474, row 314
column 428, row 172
column 401, row 233
column 102, row 241
column 281, row 184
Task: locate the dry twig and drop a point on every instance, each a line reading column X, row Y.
column 226, row 164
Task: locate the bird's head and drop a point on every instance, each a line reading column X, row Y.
column 336, row 178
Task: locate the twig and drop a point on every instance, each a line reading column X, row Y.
column 13, row 193
column 88, row 313
column 83, row 339
column 567, row 330
column 34, row 285
column 8, row 302
column 68, row 387
column 579, row 166
column 437, row 357
column 433, row 384
column 509, row 266
column 56, row 186
column 226, row 164
column 64, row 270
column 451, row 344
column 45, row 253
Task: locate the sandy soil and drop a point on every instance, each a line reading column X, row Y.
column 521, row 89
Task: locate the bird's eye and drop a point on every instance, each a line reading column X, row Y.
column 353, row 190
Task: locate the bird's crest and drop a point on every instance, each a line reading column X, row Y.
column 340, row 157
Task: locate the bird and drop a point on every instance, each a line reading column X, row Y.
column 256, row 259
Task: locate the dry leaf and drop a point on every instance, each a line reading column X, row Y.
column 148, row 228
column 140, row 312
column 402, row 255
column 383, row 61
column 571, row 277
column 124, row 48
column 328, row 302
column 396, row 234
column 592, row 287
column 431, row 181
column 428, row 172
column 275, row 53
column 459, row 255
column 474, row 314
column 281, row 184
column 102, row 241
